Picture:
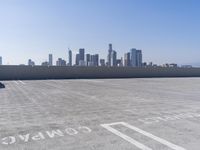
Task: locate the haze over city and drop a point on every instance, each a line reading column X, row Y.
column 166, row 31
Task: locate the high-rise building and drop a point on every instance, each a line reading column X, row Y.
column 133, row 57
column 81, row 61
column 50, row 60
column 88, row 59
column 82, row 54
column 136, row 57
column 113, row 58
column 31, row 63
column 92, row 59
column 109, row 55
column 77, row 59
column 139, row 58
column 1, row 60
column 70, row 57
column 60, row 62
column 127, row 61
column 102, row 62
column 96, row 60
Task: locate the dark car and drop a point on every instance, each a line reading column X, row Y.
column 2, row 85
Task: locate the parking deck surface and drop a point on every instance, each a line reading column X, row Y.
column 103, row 114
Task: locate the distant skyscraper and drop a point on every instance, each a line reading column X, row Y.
column 113, row 58
column 127, row 61
column 31, row 63
column 88, row 59
column 139, row 58
column 77, row 59
column 82, row 54
column 133, row 57
column 70, row 57
column 92, row 60
column 136, row 58
column 96, row 60
column 60, row 62
column 50, row 60
column 1, row 60
column 81, row 57
column 109, row 55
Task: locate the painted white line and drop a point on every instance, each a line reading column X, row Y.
column 129, row 139
column 22, row 82
column 125, row 137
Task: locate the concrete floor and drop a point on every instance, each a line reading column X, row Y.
column 103, row 114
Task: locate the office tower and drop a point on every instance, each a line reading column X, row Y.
column 1, row 60
column 109, row 55
column 31, row 63
column 92, row 59
column 70, row 57
column 82, row 54
column 96, row 60
column 77, row 59
column 50, row 60
column 88, row 59
column 81, row 61
column 113, row 58
column 139, row 58
column 136, row 58
column 127, row 61
column 102, row 62
column 60, row 62
column 133, row 57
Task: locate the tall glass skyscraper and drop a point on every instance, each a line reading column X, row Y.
column 109, row 55
column 136, row 57
column 82, row 54
column 50, row 60
column 70, row 57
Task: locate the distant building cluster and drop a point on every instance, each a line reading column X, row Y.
column 132, row 58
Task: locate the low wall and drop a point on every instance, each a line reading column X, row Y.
column 54, row 72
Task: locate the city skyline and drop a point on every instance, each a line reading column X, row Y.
column 167, row 31
column 131, row 58
column 83, row 58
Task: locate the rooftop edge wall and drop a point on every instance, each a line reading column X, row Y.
column 66, row 72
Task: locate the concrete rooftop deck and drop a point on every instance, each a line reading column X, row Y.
column 103, row 114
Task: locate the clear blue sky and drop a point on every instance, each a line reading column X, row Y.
column 166, row 30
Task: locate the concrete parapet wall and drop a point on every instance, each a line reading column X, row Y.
column 54, row 72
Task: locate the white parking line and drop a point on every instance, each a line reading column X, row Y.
column 22, row 82
column 125, row 137
column 136, row 143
